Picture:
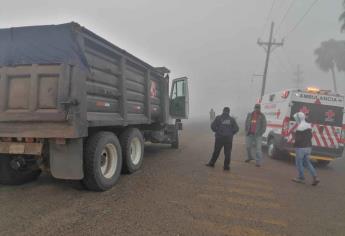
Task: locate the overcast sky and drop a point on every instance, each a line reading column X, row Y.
column 212, row 42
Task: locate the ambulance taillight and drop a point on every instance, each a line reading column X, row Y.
column 285, row 129
column 285, row 94
column 343, row 135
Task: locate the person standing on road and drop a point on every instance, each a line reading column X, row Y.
column 255, row 127
column 225, row 127
column 303, row 146
column 212, row 115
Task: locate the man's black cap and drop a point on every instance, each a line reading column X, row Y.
column 226, row 110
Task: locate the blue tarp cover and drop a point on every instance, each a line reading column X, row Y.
column 48, row 44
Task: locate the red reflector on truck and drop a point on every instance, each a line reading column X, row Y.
column 29, row 140
column 60, row 141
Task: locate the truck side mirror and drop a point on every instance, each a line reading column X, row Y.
column 179, row 99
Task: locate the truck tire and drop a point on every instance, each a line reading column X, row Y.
column 176, row 142
column 11, row 176
column 272, row 150
column 132, row 143
column 102, row 161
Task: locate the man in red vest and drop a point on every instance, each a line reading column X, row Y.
column 255, row 128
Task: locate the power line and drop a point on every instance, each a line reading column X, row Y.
column 281, row 4
column 302, row 18
column 286, row 14
column 268, row 17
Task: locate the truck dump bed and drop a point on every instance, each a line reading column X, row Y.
column 59, row 80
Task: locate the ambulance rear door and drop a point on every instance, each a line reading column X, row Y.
column 325, row 113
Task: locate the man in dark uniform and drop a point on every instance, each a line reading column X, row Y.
column 225, row 127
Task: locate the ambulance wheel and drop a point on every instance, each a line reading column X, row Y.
column 176, row 142
column 16, row 171
column 272, row 150
column 132, row 143
column 102, row 161
column 322, row 163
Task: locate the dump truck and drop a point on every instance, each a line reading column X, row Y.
column 80, row 108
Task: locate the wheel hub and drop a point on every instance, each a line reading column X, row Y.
column 108, row 161
column 18, row 163
column 135, row 150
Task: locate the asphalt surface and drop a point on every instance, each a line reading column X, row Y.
column 176, row 194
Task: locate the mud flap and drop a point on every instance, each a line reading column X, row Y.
column 66, row 160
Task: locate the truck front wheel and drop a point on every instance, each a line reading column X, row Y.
column 102, row 161
column 132, row 143
column 16, row 171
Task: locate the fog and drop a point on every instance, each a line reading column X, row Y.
column 211, row 42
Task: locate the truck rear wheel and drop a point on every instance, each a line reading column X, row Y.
column 132, row 143
column 102, row 161
column 10, row 175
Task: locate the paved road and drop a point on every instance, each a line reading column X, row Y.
column 175, row 194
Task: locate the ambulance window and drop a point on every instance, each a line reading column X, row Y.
column 319, row 114
column 272, row 96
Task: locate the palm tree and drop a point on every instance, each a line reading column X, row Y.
column 342, row 18
column 331, row 55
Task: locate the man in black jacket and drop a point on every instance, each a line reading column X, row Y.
column 225, row 127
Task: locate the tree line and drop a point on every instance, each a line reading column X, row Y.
column 330, row 55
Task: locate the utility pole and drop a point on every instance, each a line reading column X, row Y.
column 298, row 75
column 269, row 47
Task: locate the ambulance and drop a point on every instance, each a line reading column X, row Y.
column 323, row 109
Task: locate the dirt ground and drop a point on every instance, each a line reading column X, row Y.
column 176, row 194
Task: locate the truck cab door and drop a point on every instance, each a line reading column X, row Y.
column 179, row 99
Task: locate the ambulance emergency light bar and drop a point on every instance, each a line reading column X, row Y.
column 313, row 90
column 317, row 90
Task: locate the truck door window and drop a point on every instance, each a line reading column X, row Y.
column 179, row 99
column 179, row 89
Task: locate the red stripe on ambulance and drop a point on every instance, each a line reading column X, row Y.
column 315, row 137
column 322, row 136
column 337, row 136
column 330, row 137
